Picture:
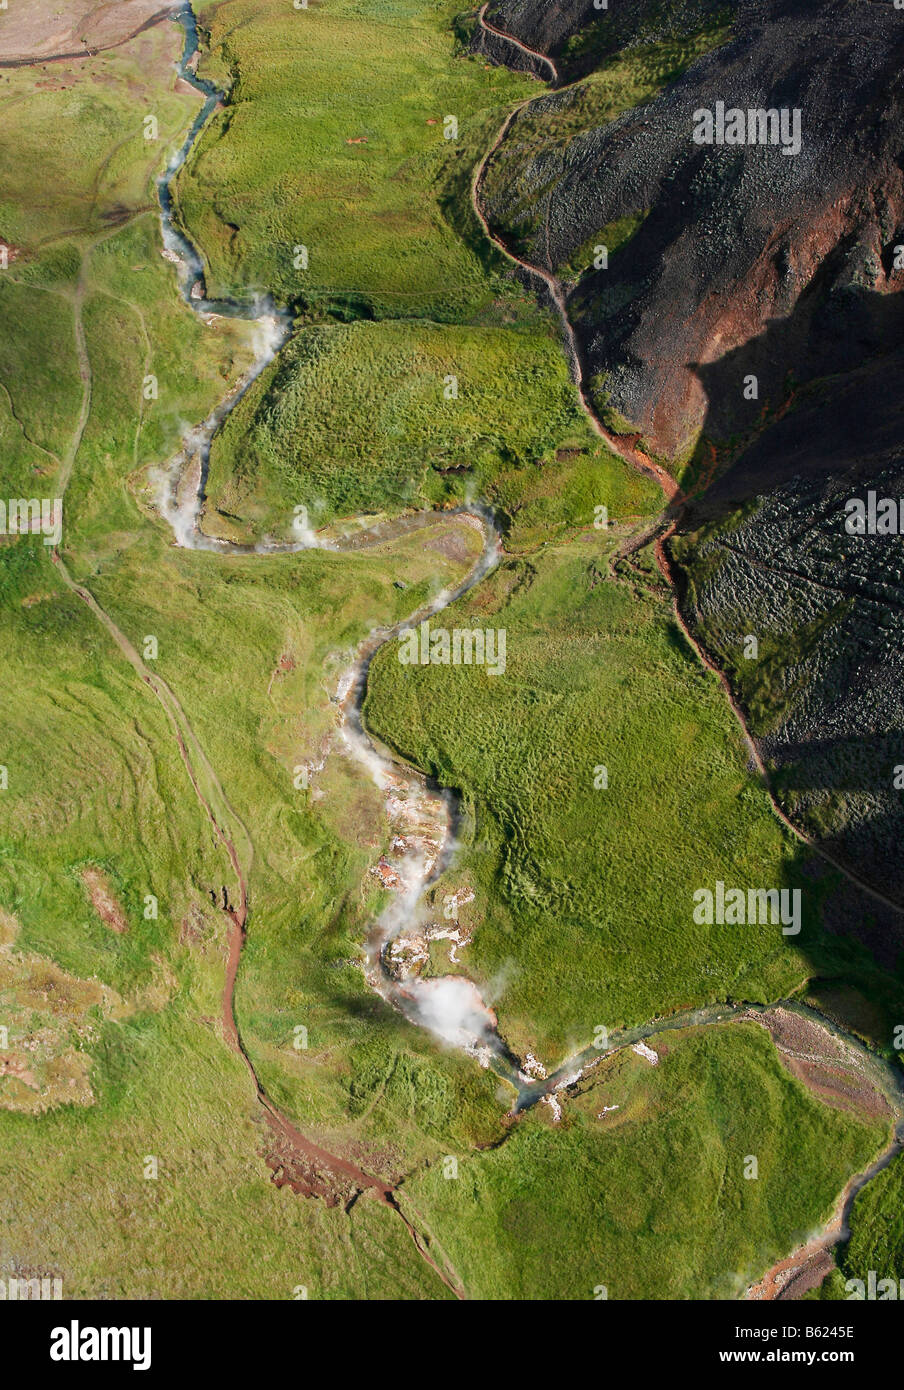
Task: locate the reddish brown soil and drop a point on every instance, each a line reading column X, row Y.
column 824, row 1064
column 103, row 901
column 36, row 31
column 285, row 664
column 793, row 1277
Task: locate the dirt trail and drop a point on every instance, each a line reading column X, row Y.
column 309, row 1180
column 531, row 52
column 84, row 371
column 306, row 1166
column 624, row 446
column 756, row 758
column 327, row 1175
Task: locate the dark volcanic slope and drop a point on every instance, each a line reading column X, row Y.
column 766, row 553
column 824, row 689
column 734, row 234
column 577, row 34
column 543, row 26
column 748, row 262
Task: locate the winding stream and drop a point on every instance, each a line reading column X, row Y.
column 424, row 817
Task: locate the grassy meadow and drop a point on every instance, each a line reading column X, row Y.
column 650, row 1200
column 373, row 417
column 586, row 891
column 877, row 1229
column 126, row 1057
column 334, row 138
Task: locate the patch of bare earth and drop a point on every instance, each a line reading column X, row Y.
column 284, row 666
column 47, row 1013
column 307, row 1178
column 825, row 1064
column 52, row 1019
column 44, row 29
column 792, row 1278
column 837, row 1074
column 103, row 900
